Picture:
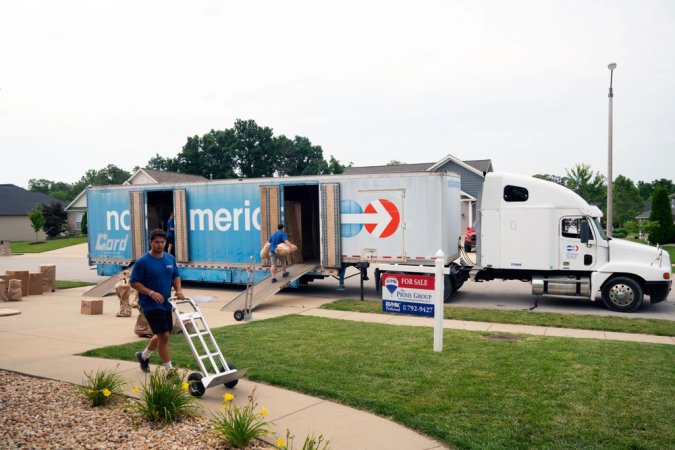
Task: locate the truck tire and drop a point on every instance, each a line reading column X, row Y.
column 622, row 294
column 467, row 247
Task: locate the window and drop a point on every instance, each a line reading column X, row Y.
column 515, row 194
column 571, row 227
column 78, row 221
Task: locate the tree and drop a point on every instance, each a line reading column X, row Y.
column 56, row 219
column 335, row 167
column 394, row 162
column 84, row 226
column 626, row 200
column 299, row 157
column 647, row 189
column 255, row 152
column 37, row 220
column 662, row 214
column 589, row 186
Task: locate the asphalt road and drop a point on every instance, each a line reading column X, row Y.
column 71, row 264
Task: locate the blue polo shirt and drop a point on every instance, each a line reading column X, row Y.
column 156, row 274
column 277, row 238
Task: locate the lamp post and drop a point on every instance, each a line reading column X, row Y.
column 611, row 68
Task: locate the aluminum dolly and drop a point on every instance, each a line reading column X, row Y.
column 214, row 369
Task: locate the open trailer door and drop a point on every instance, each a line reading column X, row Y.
column 139, row 238
column 270, row 211
column 329, row 205
column 181, row 226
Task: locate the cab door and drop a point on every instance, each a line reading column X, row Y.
column 573, row 253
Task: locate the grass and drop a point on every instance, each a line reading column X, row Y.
column 45, row 246
column 670, row 248
column 63, row 284
column 533, row 392
column 545, row 319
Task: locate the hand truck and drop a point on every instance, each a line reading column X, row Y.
column 214, row 368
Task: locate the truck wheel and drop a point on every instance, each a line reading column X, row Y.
column 448, row 288
column 195, row 385
column 467, row 247
column 622, row 294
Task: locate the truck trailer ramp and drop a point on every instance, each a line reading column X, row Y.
column 244, row 303
column 104, row 288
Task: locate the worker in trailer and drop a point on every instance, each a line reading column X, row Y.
column 277, row 238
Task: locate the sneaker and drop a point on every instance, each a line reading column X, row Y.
column 274, row 280
column 285, row 275
column 145, row 363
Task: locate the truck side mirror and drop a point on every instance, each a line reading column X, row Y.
column 585, row 232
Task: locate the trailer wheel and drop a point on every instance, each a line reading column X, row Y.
column 239, row 315
column 229, row 384
column 622, row 294
column 196, row 387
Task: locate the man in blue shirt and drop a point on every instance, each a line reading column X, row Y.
column 152, row 276
column 277, row 238
column 170, row 233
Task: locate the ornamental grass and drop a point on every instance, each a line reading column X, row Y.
column 99, row 387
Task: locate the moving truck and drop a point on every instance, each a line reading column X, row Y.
column 527, row 229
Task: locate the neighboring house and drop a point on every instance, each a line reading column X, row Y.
column 471, row 175
column 78, row 207
column 15, row 205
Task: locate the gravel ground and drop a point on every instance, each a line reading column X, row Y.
column 37, row 413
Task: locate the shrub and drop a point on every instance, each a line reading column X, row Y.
column 100, row 387
column 311, row 442
column 165, row 397
column 56, row 219
column 238, row 426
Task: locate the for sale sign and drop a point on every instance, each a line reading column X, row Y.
column 408, row 294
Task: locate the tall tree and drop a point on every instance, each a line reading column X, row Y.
column 647, row 189
column 254, row 150
column 37, row 220
column 299, row 157
column 626, row 200
column 661, row 214
column 590, row 186
column 55, row 219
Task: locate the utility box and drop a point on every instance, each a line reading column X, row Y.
column 91, row 307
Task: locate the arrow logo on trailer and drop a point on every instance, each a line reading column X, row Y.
column 380, row 218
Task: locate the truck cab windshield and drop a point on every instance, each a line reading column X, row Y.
column 598, row 227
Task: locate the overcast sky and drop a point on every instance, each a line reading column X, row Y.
column 84, row 83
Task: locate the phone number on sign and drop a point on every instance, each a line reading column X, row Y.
column 408, row 308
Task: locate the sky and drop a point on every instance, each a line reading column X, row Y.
column 84, row 84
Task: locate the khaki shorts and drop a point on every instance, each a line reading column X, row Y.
column 277, row 260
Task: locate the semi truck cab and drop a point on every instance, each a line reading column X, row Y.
column 538, row 231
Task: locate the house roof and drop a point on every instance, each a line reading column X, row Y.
column 16, row 201
column 476, row 166
column 160, row 176
column 402, row 168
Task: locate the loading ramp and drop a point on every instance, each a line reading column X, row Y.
column 263, row 289
column 104, row 288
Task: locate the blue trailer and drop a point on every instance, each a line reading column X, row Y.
column 337, row 221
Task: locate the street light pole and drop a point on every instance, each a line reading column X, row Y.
column 611, row 68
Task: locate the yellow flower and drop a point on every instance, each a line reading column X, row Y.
column 90, row 391
column 136, row 390
column 281, row 443
column 225, row 406
column 264, row 412
column 106, row 392
column 228, row 397
column 185, row 386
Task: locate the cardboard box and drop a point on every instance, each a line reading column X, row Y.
column 91, row 307
column 35, row 287
column 22, row 275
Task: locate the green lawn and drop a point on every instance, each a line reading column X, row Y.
column 546, row 319
column 45, row 246
column 63, row 284
column 670, row 248
column 479, row 393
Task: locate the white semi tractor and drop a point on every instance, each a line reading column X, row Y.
column 528, row 229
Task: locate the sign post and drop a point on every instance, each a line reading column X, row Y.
column 438, row 310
